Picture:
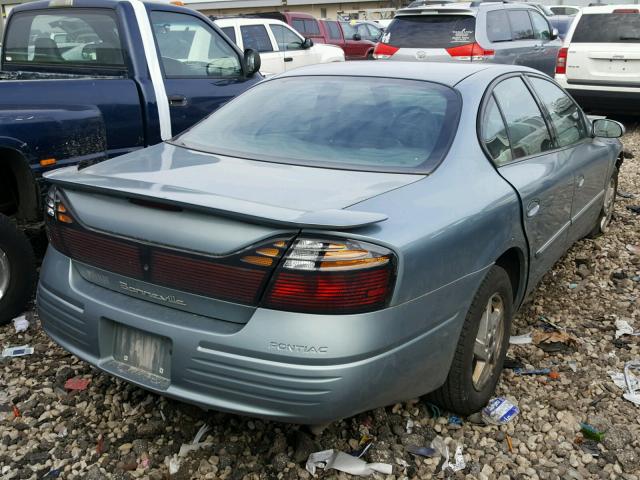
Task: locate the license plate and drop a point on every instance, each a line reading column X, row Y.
column 142, row 350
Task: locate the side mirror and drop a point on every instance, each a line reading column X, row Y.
column 554, row 33
column 357, row 37
column 308, row 43
column 607, row 128
column 252, row 62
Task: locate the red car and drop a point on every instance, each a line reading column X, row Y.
column 306, row 24
column 356, row 40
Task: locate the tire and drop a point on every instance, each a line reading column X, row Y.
column 462, row 392
column 604, row 219
column 17, row 271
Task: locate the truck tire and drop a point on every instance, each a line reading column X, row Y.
column 471, row 382
column 17, row 271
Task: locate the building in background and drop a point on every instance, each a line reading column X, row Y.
column 372, row 10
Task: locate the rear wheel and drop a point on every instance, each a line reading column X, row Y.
column 17, row 270
column 604, row 219
column 481, row 349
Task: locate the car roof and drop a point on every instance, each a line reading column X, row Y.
column 470, row 8
column 609, row 8
column 230, row 21
column 440, row 72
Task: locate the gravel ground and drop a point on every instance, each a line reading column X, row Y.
column 115, row 430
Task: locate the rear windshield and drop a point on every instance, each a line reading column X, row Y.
column 357, row 123
column 608, row 28
column 433, row 31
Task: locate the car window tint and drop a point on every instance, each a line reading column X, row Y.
column 498, row 29
column 520, row 25
column 256, row 37
column 298, row 25
column 334, row 30
column 608, row 28
column 311, row 27
column 286, row 38
column 348, row 30
column 361, row 123
column 565, row 115
column 191, row 48
column 230, row 32
column 540, row 26
column 430, row 31
column 374, row 33
column 527, row 129
column 494, row 134
column 64, row 37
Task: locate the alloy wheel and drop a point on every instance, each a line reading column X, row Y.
column 486, row 349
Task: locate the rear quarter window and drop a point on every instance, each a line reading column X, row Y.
column 436, row 31
column 230, row 32
column 334, row 30
column 498, row 29
column 608, row 28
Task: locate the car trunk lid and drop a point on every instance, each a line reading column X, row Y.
column 199, row 232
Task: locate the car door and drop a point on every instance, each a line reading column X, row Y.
column 546, row 49
column 257, row 37
column 517, row 137
column 352, row 47
column 590, row 158
column 201, row 69
column 523, row 46
column 290, row 46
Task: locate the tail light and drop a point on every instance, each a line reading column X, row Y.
column 384, row 51
column 240, row 277
column 471, row 52
column 561, row 62
column 332, row 277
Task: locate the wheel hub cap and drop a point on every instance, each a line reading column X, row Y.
column 486, row 349
column 4, row 274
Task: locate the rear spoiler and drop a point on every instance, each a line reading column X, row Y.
column 334, row 219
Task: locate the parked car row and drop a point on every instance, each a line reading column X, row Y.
column 356, row 39
column 281, row 48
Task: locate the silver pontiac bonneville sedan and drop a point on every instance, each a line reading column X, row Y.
column 337, row 238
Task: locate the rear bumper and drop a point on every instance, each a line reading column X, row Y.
column 266, row 367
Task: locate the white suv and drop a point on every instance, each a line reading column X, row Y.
column 600, row 62
column 281, row 47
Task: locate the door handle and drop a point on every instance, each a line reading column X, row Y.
column 533, row 208
column 580, row 181
column 177, row 100
column 288, row 59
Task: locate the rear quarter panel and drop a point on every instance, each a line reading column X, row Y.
column 455, row 222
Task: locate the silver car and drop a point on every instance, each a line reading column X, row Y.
column 337, row 238
column 510, row 33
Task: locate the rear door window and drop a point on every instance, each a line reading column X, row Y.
column 528, row 131
column 256, row 37
column 65, row 37
column 432, row 31
column 498, row 29
column 608, row 28
column 230, row 32
column 521, row 27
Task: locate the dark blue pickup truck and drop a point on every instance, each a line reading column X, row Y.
column 83, row 80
